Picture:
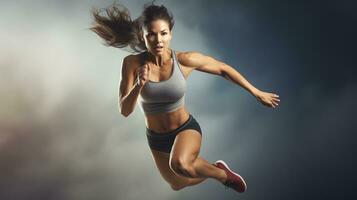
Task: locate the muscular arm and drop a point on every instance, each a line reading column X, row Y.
column 210, row 65
column 128, row 89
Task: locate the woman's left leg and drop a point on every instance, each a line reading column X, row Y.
column 184, row 158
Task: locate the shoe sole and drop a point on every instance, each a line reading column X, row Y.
column 245, row 185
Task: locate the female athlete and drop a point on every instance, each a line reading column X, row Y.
column 154, row 76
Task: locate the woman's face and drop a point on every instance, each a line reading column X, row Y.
column 157, row 36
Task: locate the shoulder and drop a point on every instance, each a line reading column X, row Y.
column 131, row 62
column 190, row 58
column 132, row 59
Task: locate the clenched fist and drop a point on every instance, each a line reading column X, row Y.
column 142, row 74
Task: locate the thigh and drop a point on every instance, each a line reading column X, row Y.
column 186, row 146
column 162, row 162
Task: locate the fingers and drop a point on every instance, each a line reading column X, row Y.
column 140, row 70
column 275, row 100
column 274, row 96
column 144, row 69
column 273, row 103
column 142, row 73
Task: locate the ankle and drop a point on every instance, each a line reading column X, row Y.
column 223, row 176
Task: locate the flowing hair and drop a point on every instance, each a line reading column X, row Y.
column 117, row 29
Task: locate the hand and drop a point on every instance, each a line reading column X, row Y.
column 268, row 99
column 142, row 74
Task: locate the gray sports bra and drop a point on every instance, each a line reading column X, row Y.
column 164, row 96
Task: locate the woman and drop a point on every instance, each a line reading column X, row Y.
column 156, row 79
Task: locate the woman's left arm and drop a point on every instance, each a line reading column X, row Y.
column 210, row 65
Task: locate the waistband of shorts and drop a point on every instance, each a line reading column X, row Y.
column 152, row 133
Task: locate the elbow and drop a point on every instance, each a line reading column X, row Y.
column 224, row 71
column 223, row 74
column 125, row 114
column 123, row 111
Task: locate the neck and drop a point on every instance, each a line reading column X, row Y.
column 159, row 60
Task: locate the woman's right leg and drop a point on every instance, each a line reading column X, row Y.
column 176, row 182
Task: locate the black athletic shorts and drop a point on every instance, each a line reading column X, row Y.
column 164, row 141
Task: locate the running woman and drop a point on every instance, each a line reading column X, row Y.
column 154, row 76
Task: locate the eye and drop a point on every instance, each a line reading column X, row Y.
column 164, row 33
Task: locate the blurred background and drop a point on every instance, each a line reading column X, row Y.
column 62, row 137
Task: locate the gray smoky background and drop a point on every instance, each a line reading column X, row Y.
column 62, row 137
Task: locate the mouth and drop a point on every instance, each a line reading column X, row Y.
column 158, row 47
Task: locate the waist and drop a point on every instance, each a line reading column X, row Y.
column 165, row 122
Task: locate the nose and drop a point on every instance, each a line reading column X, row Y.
column 158, row 38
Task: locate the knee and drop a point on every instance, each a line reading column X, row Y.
column 182, row 167
column 178, row 165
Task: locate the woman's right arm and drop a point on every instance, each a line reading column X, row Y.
column 129, row 88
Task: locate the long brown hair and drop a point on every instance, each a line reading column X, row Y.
column 120, row 31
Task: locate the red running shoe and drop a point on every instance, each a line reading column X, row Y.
column 234, row 180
